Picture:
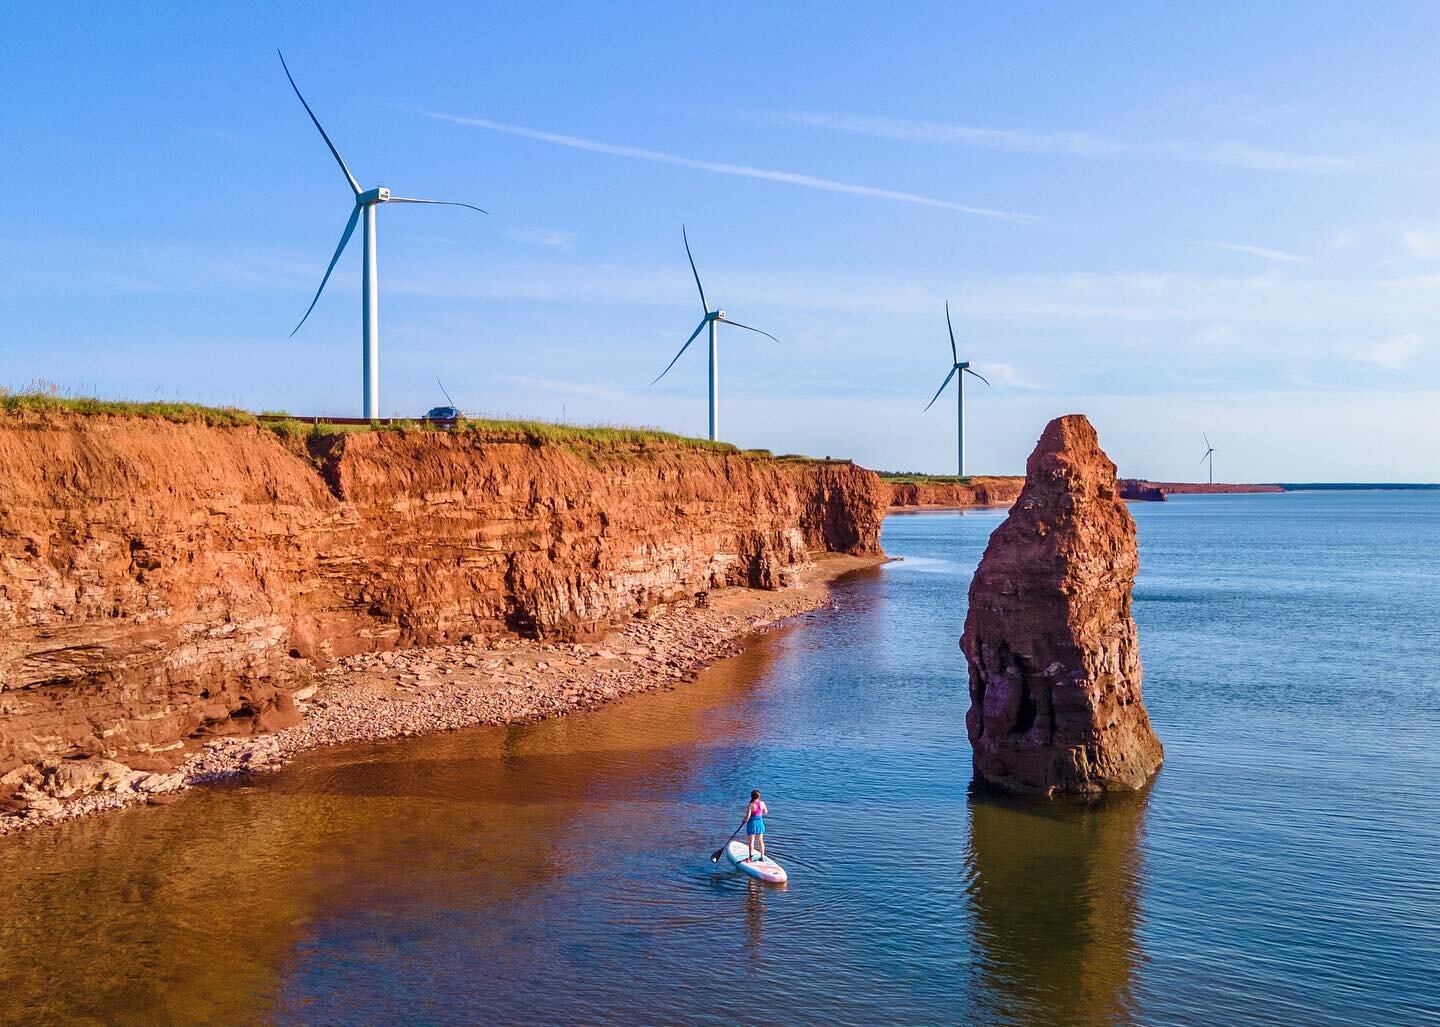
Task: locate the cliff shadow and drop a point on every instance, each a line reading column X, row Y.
column 1055, row 887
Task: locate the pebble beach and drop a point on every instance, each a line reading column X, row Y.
column 507, row 680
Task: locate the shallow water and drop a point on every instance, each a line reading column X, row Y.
column 1284, row 867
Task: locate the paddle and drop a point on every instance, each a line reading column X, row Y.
column 715, row 856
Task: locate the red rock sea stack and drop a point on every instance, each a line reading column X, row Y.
column 1052, row 648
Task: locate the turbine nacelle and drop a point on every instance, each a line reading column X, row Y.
column 719, row 315
column 379, row 195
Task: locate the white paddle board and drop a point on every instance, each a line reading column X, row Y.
column 766, row 869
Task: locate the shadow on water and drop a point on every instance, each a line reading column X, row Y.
column 1055, row 887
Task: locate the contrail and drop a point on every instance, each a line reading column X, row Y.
column 1075, row 144
column 721, row 168
column 1263, row 252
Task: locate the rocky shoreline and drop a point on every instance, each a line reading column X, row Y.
column 402, row 693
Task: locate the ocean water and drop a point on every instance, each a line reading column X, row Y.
column 1283, row 868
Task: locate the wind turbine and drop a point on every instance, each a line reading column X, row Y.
column 712, row 319
column 958, row 371
column 365, row 203
column 1209, row 455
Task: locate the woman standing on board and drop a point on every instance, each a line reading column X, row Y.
column 754, row 824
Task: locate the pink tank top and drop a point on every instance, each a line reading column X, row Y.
column 757, row 809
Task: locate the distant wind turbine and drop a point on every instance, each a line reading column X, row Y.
column 365, row 203
column 1209, row 455
column 958, row 371
column 712, row 318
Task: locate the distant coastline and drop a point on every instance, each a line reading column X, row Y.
column 1359, row 486
column 1144, row 490
column 911, row 491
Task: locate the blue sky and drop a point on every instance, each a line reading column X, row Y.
column 1220, row 219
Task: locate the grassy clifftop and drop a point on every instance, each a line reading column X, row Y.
column 600, row 436
column 40, row 402
column 910, row 478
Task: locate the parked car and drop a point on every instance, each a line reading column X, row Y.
column 443, row 414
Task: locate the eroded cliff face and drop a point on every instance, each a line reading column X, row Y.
column 1052, row 648
column 1186, row 488
column 1141, row 491
column 981, row 491
column 160, row 580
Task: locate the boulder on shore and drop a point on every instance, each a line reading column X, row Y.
column 1052, row 648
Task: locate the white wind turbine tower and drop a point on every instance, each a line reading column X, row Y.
column 365, row 203
column 711, row 319
column 958, row 371
column 1209, row 456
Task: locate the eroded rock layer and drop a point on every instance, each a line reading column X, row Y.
column 957, row 495
column 1139, row 488
column 1141, row 491
column 1051, row 645
column 159, row 580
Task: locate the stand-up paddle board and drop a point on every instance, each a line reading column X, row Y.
column 766, row 869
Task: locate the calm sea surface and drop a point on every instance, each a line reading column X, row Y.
column 1284, row 867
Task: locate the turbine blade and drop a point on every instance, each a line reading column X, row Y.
column 338, row 159
column 953, row 351
column 1204, row 458
column 737, row 324
column 977, row 374
column 445, row 203
column 703, row 302
column 1207, row 440
column 349, row 231
column 940, row 390
column 683, row 348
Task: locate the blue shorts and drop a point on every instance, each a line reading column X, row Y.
column 755, row 826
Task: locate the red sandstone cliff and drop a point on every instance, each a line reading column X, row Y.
column 1051, row 645
column 1146, row 490
column 979, row 491
column 160, row 579
column 1141, row 491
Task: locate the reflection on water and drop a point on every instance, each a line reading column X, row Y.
column 192, row 912
column 755, row 915
column 1283, row 868
column 1056, row 891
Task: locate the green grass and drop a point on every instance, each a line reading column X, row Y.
column 801, row 458
column 911, row 478
column 45, row 399
column 599, row 436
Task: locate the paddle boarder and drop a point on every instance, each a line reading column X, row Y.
column 754, row 825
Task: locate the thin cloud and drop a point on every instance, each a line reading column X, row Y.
column 1008, row 376
column 721, row 168
column 223, row 134
column 1263, row 252
column 1214, row 335
column 553, row 237
column 1393, row 354
column 557, row 385
column 1070, row 143
column 1422, row 243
